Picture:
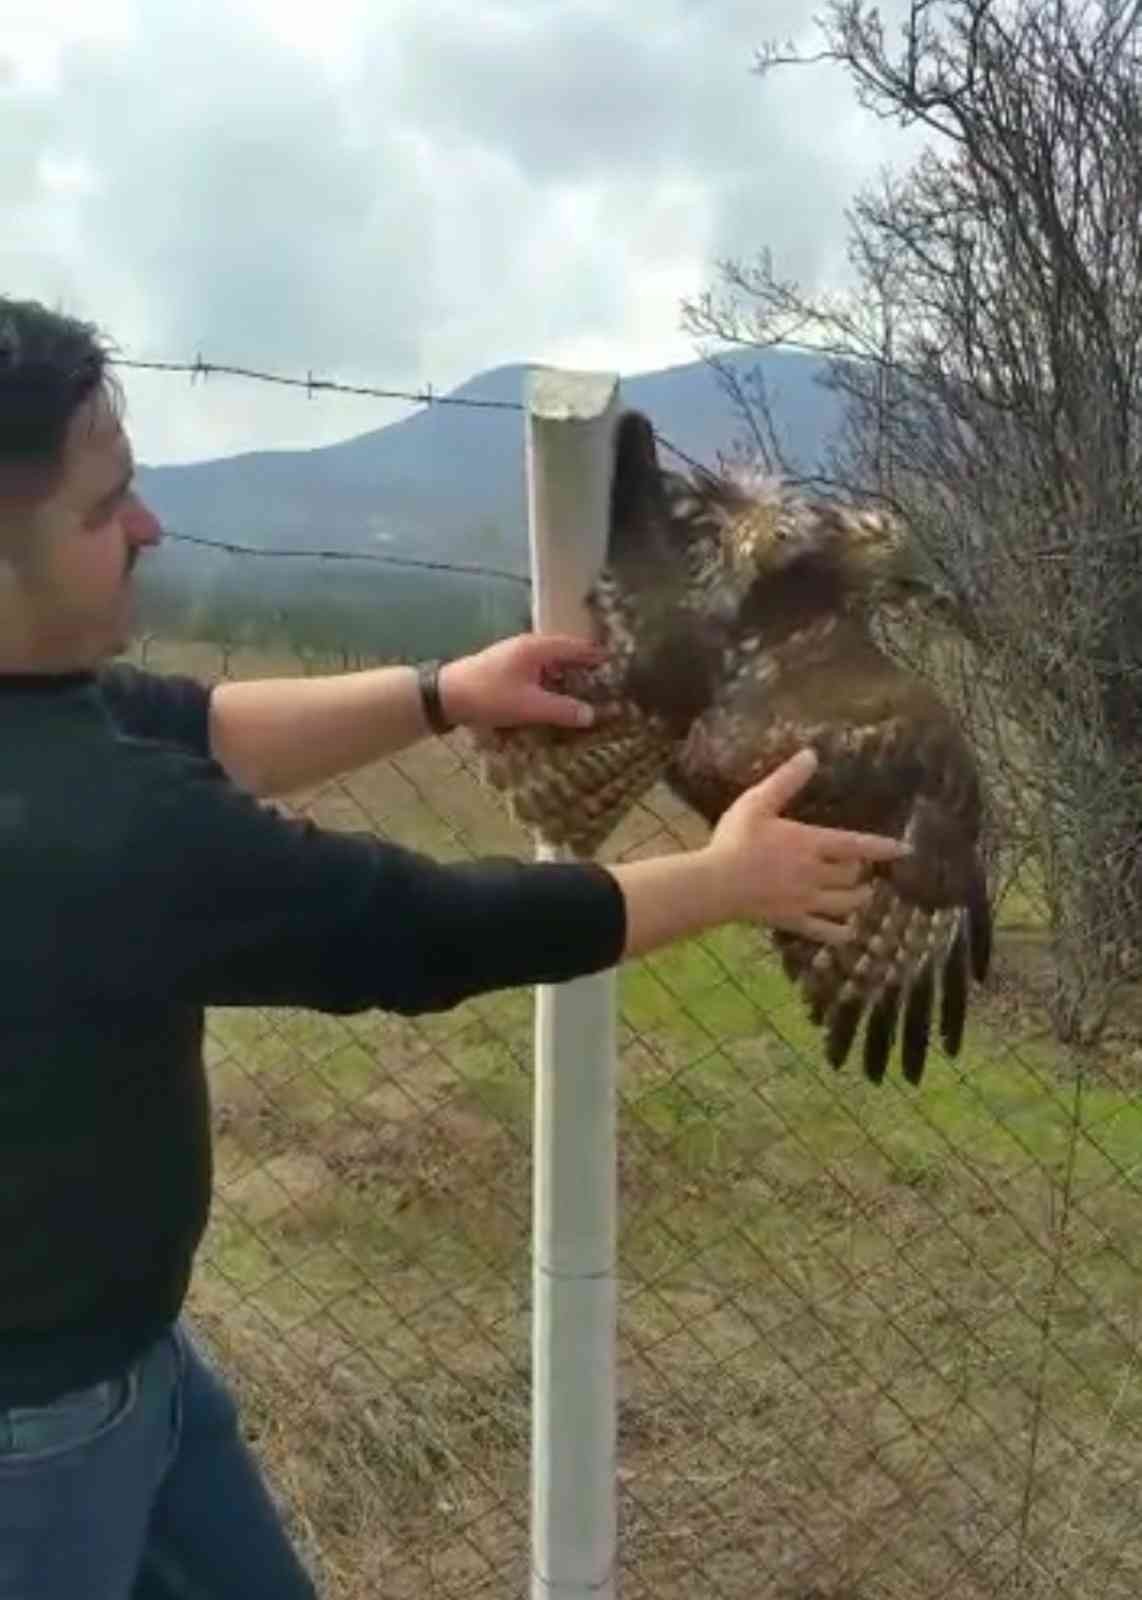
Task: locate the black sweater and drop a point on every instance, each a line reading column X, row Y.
column 139, row 886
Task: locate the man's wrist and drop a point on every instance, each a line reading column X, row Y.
column 713, row 885
column 675, row 897
column 429, row 678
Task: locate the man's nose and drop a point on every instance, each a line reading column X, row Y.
column 142, row 526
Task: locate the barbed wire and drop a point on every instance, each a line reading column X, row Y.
column 198, row 368
column 426, row 396
column 869, row 1345
column 466, row 569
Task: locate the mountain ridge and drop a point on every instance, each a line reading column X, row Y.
column 445, row 487
column 449, row 474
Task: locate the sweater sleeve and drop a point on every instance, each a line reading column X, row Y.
column 232, row 903
column 167, row 707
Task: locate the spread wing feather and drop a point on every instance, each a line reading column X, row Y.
column 572, row 789
column 731, row 646
column 909, row 775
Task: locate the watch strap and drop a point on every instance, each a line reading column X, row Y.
column 428, row 680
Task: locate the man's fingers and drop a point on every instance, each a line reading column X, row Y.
column 837, row 846
column 841, row 874
column 559, row 710
column 842, row 902
column 552, row 648
column 824, row 931
column 787, row 780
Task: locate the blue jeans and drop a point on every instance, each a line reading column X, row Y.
column 140, row 1488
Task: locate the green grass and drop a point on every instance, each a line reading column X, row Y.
column 875, row 1344
column 847, row 1301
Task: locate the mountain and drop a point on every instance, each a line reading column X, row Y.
column 446, row 485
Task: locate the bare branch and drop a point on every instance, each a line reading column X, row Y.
column 990, row 368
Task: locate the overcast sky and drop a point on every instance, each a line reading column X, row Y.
column 402, row 192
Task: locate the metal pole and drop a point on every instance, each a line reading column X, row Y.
column 570, row 423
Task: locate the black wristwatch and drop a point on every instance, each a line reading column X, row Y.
column 428, row 677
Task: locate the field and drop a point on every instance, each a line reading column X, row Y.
column 875, row 1344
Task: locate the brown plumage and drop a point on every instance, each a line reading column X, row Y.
column 736, row 614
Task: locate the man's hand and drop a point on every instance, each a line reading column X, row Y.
column 502, row 686
column 788, row 874
column 757, row 867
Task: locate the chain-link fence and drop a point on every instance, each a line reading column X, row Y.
column 874, row 1343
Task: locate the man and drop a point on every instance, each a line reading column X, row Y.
column 143, row 881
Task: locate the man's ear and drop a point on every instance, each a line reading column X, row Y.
column 18, row 536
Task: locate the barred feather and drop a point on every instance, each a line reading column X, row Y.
column 735, row 613
column 572, row 789
column 890, row 965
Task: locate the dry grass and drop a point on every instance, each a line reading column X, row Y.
column 874, row 1345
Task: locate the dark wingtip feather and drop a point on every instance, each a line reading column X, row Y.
column 797, row 960
column 842, row 1030
column 917, row 1025
column 979, row 921
column 954, row 996
column 880, row 1034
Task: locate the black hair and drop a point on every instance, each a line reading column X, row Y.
column 50, row 364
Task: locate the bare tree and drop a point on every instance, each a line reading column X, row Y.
column 990, row 361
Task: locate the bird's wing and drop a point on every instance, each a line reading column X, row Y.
column 898, row 767
column 572, row 787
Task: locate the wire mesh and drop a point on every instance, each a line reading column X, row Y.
column 875, row 1343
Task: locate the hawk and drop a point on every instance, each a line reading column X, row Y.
column 736, row 614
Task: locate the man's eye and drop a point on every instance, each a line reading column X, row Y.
column 103, row 514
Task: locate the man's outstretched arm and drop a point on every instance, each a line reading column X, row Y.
column 276, row 736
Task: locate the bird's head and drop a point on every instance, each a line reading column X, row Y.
column 884, row 566
column 890, row 572
column 710, row 540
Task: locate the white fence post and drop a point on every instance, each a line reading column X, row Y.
column 570, row 422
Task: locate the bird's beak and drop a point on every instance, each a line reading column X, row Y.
column 923, row 586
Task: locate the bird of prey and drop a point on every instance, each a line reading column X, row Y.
column 736, row 616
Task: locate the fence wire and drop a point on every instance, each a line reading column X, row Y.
column 875, row 1344
column 199, row 370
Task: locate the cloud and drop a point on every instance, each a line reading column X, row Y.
column 405, row 194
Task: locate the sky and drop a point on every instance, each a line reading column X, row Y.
column 403, row 193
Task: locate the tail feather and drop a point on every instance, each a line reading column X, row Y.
column 639, row 546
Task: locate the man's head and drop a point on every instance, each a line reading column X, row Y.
column 71, row 524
